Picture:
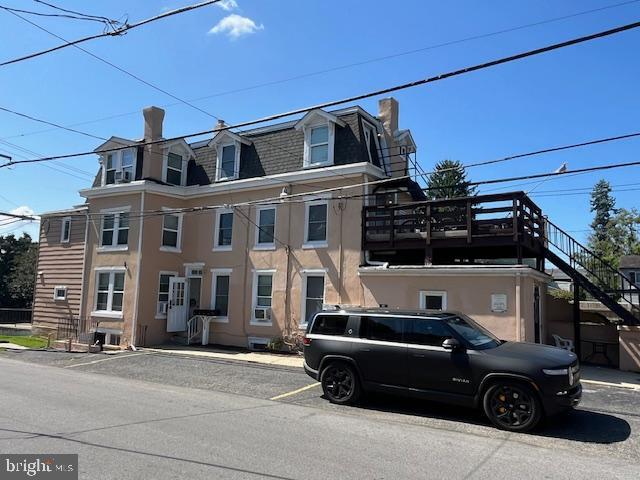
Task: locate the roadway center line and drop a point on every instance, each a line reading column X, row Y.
column 293, row 392
column 112, row 357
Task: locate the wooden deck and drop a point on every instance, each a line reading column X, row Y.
column 500, row 225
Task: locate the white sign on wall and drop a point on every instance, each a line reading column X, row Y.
column 499, row 302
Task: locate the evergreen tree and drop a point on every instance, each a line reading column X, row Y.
column 449, row 180
column 18, row 258
column 604, row 206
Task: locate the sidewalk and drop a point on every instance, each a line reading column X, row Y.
column 609, row 377
column 268, row 358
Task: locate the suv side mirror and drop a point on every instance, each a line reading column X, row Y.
column 451, row 344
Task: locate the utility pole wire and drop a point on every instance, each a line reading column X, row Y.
column 14, row 215
column 404, row 86
column 73, row 12
column 114, row 33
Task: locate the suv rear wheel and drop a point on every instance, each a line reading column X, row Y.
column 512, row 406
column 340, row 383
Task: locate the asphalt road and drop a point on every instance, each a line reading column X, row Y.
column 158, row 416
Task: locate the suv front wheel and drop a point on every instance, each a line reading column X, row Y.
column 512, row 406
column 340, row 383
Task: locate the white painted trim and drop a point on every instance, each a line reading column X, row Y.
column 109, row 313
column 305, row 274
column 65, row 220
column 253, row 183
column 311, row 117
column 115, row 211
column 184, row 155
column 265, row 245
column 236, row 160
column 331, row 135
column 56, row 297
column 254, row 296
column 215, row 273
column 432, row 293
column 454, row 270
column 178, row 247
column 216, row 230
column 376, row 140
column 117, row 159
column 257, row 341
column 106, row 314
column 307, row 244
column 234, row 137
column 110, row 269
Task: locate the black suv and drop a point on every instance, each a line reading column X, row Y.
column 442, row 356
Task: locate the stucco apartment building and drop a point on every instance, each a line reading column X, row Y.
column 264, row 227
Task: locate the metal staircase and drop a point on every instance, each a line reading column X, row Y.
column 591, row 272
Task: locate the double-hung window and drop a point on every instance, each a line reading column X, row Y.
column 163, row 293
column 266, row 227
column 65, row 233
column 262, row 296
column 315, row 225
column 220, row 293
column 319, row 145
column 119, row 166
column 174, row 169
column 109, row 293
column 227, row 161
column 115, row 230
column 223, row 234
column 171, row 226
column 312, row 295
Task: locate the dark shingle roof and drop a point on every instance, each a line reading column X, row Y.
column 630, row 261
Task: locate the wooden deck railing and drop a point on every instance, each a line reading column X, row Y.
column 507, row 215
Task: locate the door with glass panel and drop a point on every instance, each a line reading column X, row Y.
column 177, row 311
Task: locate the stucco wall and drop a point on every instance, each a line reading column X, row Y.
column 469, row 293
column 629, row 348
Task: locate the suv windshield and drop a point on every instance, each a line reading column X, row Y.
column 474, row 334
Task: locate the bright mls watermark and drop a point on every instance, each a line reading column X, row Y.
column 34, row 466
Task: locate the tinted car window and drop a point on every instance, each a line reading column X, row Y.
column 388, row 329
column 330, row 324
column 427, row 332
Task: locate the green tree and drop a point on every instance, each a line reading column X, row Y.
column 449, row 180
column 18, row 258
column 604, row 206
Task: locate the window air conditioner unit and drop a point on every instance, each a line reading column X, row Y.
column 262, row 314
column 118, row 176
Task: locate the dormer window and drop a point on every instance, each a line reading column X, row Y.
column 174, row 169
column 319, row 130
column 119, row 166
column 174, row 163
column 228, row 147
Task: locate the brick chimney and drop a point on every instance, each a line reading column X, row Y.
column 388, row 112
column 153, row 154
column 219, row 126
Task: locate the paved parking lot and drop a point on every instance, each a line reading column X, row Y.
column 606, row 423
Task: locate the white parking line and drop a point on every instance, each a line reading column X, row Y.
column 288, row 394
column 112, row 357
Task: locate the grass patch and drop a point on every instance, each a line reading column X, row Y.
column 25, row 341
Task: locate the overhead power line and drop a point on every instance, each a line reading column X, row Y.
column 109, row 21
column 384, row 91
column 15, row 215
column 113, row 33
column 360, row 63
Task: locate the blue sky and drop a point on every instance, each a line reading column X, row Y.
column 572, row 95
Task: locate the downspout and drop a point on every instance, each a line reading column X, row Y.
column 518, row 312
column 84, row 264
column 244, row 281
column 134, row 324
column 287, row 306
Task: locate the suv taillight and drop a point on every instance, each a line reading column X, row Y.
column 306, row 340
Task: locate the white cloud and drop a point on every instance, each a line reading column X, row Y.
column 227, row 4
column 16, row 226
column 235, row 26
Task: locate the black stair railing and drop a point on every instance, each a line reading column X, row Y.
column 601, row 273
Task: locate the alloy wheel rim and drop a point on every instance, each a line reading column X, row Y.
column 511, row 406
column 339, row 383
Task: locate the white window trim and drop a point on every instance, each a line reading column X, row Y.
column 374, row 131
column 215, row 273
column 320, row 272
column 55, row 293
column 107, row 334
column 331, row 127
column 165, row 163
column 116, row 224
column 265, row 246
column 216, row 231
column 108, row 313
column 65, row 220
column 178, row 247
column 432, row 293
column 162, row 316
column 236, row 161
column 189, row 267
column 306, row 244
column 117, row 158
column 254, row 297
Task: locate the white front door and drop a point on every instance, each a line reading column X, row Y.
column 177, row 308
